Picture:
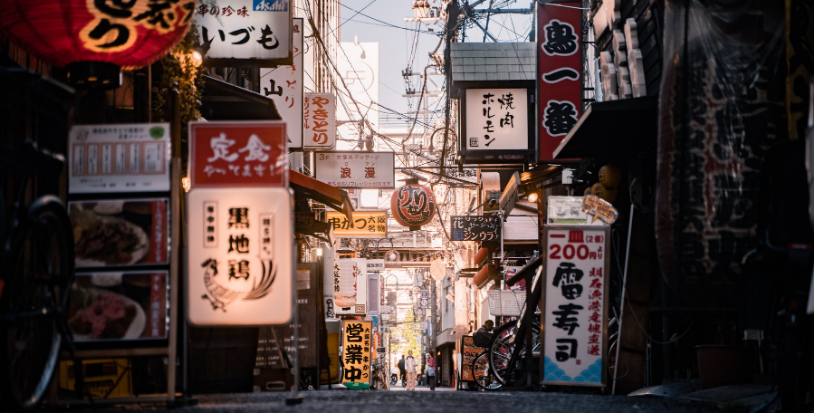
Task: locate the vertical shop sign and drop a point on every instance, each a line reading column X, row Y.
column 559, row 64
column 283, row 84
column 497, row 119
column 356, row 343
column 575, row 302
column 319, row 121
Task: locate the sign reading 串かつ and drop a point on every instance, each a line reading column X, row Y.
column 356, row 169
column 364, row 224
column 239, row 263
column 283, row 84
column 245, row 32
column 576, row 291
column 119, row 158
column 356, row 343
column 237, row 154
column 497, row 119
column 475, row 228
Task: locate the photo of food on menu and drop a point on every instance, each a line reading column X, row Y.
column 120, row 232
column 119, row 306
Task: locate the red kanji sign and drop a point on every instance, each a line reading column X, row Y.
column 230, row 154
column 559, row 68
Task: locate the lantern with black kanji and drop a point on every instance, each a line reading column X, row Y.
column 413, row 205
column 95, row 39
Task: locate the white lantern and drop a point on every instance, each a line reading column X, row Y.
column 346, row 270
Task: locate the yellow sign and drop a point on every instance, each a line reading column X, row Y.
column 364, row 224
column 356, row 341
column 600, row 209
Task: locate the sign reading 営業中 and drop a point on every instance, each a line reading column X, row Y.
column 283, row 85
column 364, row 224
column 497, row 119
column 559, row 63
column 239, row 266
column 356, row 169
column 475, row 228
column 119, row 158
column 356, row 343
column 237, row 154
column 245, row 32
column 319, row 121
column 576, row 291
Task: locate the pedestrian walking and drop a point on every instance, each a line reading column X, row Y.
column 430, row 369
column 402, row 372
column 410, row 365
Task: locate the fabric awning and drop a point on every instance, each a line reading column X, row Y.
column 225, row 101
column 615, row 130
column 331, row 196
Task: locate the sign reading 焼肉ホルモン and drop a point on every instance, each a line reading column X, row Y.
column 496, row 119
column 575, row 299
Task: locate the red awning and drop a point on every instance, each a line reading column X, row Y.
column 321, row 192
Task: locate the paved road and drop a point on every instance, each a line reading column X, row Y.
column 347, row 401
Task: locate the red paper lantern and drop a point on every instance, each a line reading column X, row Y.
column 95, row 39
column 413, row 205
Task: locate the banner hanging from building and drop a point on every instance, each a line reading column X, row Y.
column 575, row 301
column 245, row 32
column 356, row 343
column 559, row 68
column 283, row 84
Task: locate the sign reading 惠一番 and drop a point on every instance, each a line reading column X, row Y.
column 559, row 63
column 283, row 84
column 237, row 154
column 245, row 32
column 356, row 169
column 496, row 119
column 475, row 228
column 356, row 343
column 575, row 302
column 364, row 224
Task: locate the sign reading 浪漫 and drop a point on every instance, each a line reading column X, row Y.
column 497, row 119
column 245, row 32
column 364, row 224
column 119, row 158
column 559, row 62
column 356, row 169
column 239, row 266
column 475, row 228
column 237, row 154
column 283, row 84
column 576, row 291
column 356, row 343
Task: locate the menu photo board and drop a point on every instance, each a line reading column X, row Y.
column 120, row 232
column 468, row 353
column 475, row 228
column 119, row 306
column 575, row 304
column 356, row 344
column 119, row 158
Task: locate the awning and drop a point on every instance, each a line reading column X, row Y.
column 225, row 101
column 331, row 196
column 615, row 130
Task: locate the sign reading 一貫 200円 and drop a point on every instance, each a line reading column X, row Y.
column 575, row 302
column 475, row 228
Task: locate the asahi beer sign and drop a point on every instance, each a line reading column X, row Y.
column 283, row 84
column 576, row 291
column 239, row 267
column 245, row 32
column 497, row 119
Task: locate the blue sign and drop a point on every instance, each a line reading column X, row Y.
column 270, row 5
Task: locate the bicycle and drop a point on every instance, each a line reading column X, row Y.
column 37, row 259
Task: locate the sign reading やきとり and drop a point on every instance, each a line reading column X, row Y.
column 575, row 302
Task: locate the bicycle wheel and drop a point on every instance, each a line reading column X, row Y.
column 35, row 297
column 502, row 346
column 483, row 375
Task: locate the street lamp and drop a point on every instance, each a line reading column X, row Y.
column 392, row 254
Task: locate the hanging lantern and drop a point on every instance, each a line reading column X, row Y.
column 345, row 272
column 413, row 205
column 95, row 39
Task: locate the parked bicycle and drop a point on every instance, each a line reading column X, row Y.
column 37, row 262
